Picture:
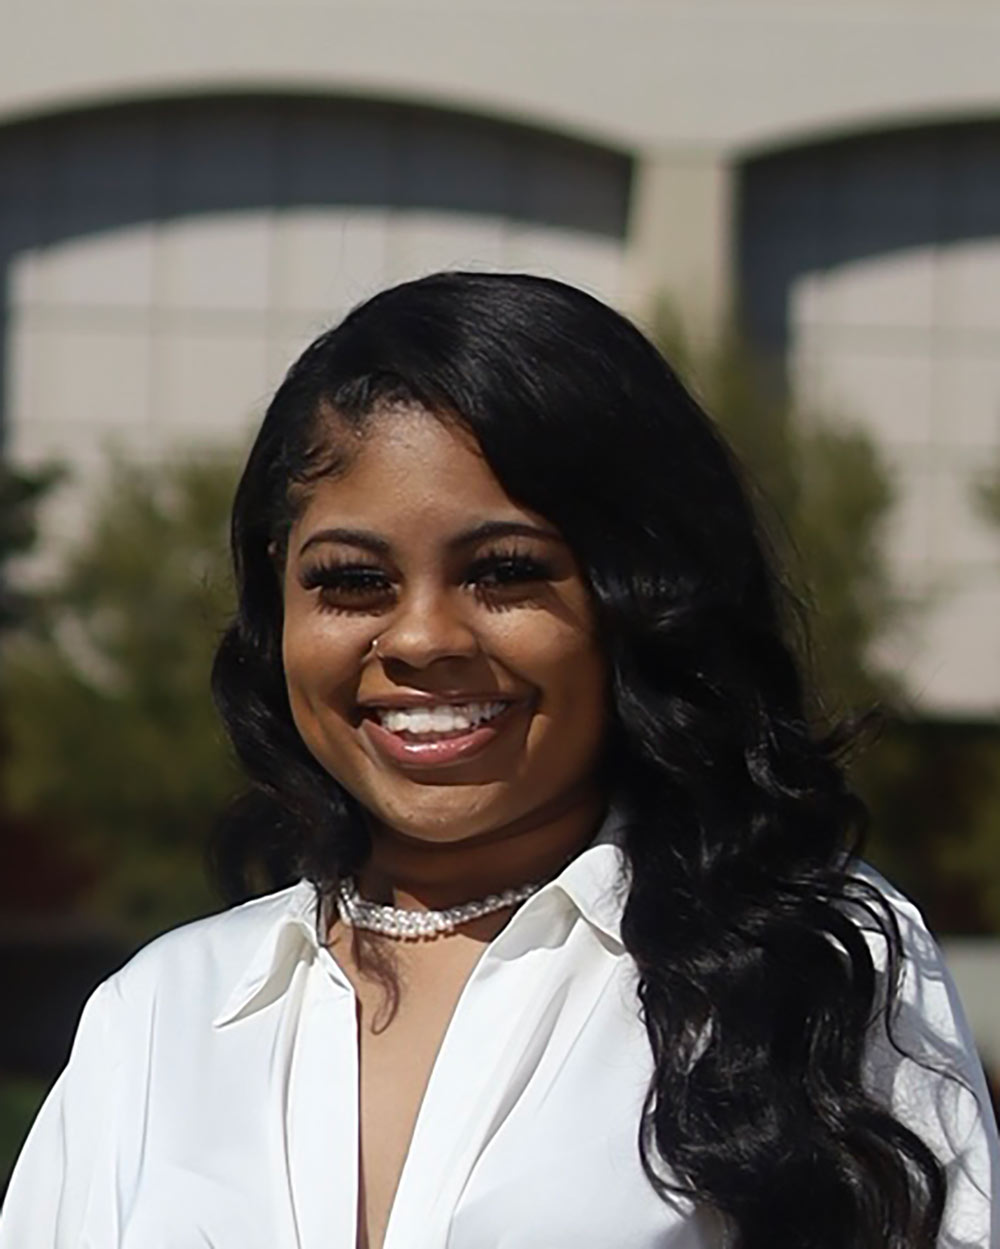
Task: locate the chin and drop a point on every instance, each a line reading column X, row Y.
column 441, row 822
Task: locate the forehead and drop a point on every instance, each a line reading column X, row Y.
column 407, row 465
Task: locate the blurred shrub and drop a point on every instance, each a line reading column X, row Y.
column 824, row 496
column 21, row 492
column 113, row 739
column 934, row 792
column 986, row 493
column 115, row 766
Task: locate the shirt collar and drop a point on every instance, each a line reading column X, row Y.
column 291, row 935
column 594, row 883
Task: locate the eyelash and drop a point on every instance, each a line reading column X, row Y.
column 490, row 574
column 508, row 567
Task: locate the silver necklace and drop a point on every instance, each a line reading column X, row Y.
column 396, row 921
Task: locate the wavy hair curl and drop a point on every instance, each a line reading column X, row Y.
column 756, row 983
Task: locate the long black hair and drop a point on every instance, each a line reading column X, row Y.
column 756, row 982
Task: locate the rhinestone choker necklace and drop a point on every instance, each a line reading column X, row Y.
column 395, row 921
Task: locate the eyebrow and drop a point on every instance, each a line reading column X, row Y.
column 369, row 541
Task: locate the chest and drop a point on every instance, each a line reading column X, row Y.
column 399, row 1039
column 504, row 1112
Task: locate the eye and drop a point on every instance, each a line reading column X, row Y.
column 349, row 587
column 507, row 570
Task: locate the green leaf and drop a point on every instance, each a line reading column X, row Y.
column 112, row 736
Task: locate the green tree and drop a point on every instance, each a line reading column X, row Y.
column 29, row 858
column 962, row 788
column 986, row 493
column 112, row 735
column 823, row 494
column 933, row 787
column 21, row 492
column 934, row 790
column 33, row 868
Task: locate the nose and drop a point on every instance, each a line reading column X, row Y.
column 427, row 628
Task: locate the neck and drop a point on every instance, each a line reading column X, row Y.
column 413, row 872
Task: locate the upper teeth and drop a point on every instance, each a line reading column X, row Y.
column 440, row 719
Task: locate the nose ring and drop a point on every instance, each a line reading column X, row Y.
column 373, row 648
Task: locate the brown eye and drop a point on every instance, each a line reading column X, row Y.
column 348, row 585
column 498, row 572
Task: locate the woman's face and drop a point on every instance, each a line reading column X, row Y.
column 439, row 644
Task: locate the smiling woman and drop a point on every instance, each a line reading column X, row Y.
column 580, row 952
column 440, row 654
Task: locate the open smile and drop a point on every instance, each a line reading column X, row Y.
column 434, row 734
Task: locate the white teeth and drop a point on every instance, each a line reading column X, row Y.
column 444, row 718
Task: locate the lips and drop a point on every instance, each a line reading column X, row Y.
column 430, row 732
column 438, row 718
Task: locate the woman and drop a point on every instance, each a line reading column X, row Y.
column 581, row 954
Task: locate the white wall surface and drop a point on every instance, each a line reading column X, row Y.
column 725, row 74
column 163, row 267
column 874, row 265
column 176, row 319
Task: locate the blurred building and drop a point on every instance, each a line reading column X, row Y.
column 190, row 190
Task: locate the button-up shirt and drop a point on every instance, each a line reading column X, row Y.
column 211, row 1097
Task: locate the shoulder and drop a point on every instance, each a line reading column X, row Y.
column 922, row 1063
column 917, row 945
column 195, row 966
column 927, row 1003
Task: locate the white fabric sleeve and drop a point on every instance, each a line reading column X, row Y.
column 936, row 1086
column 46, row 1202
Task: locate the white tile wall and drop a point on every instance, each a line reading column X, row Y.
column 970, row 285
column 908, row 343
column 960, row 649
column 207, row 385
column 97, row 382
column 113, row 270
column 968, row 400
column 421, row 242
column 220, row 262
column 326, row 260
column 907, row 533
column 24, row 275
column 24, row 348
column 586, row 260
column 155, row 337
column 164, row 266
column 894, row 290
column 891, row 390
column 960, row 537
column 288, row 338
column 894, row 321
column 810, row 300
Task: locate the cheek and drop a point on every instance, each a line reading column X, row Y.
column 569, row 671
column 321, row 672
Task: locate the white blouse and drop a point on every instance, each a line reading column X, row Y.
column 211, row 1098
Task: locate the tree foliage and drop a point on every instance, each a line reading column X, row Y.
column 31, row 864
column 986, row 493
column 21, row 492
column 956, row 786
column 933, row 788
column 116, row 765
column 112, row 735
column 823, row 494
